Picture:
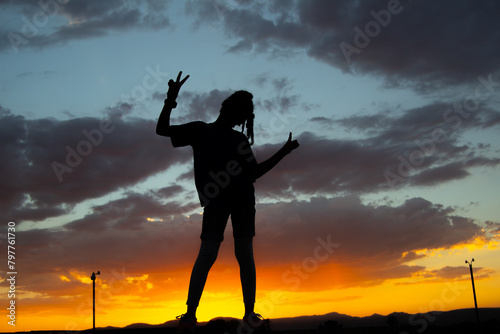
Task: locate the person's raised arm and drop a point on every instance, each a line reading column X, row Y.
column 265, row 166
column 163, row 125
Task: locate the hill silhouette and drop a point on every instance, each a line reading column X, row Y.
column 460, row 321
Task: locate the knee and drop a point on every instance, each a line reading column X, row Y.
column 244, row 257
column 207, row 257
column 244, row 252
column 208, row 251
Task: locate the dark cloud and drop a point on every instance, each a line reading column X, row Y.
column 421, row 145
column 450, row 273
column 369, row 243
column 366, row 245
column 55, row 164
column 382, row 162
column 200, row 106
column 373, row 243
column 50, row 174
column 205, row 106
column 170, row 191
column 418, row 147
column 132, row 211
column 321, row 120
column 361, row 123
column 161, row 96
column 283, row 100
column 365, row 231
column 87, row 19
column 494, row 227
column 419, row 44
column 448, row 172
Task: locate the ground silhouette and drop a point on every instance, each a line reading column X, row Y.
column 451, row 322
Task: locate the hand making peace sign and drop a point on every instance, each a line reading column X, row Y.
column 175, row 86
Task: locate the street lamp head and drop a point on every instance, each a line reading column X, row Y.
column 472, row 260
column 99, row 272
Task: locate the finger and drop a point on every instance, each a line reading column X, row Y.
column 184, row 80
column 179, row 76
column 290, row 137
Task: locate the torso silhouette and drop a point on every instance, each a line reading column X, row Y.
column 224, row 165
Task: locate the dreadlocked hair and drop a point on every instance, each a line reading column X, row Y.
column 241, row 101
column 249, row 125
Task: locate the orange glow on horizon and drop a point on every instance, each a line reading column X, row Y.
column 123, row 298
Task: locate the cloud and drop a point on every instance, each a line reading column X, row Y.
column 56, row 164
column 450, row 272
column 414, row 147
column 205, row 106
column 132, row 211
column 85, row 19
column 373, row 243
column 383, row 162
column 370, row 244
column 372, row 122
column 43, row 74
column 361, row 230
column 494, row 227
column 420, row 146
column 454, row 44
column 283, row 100
column 201, row 106
column 47, row 177
column 322, row 121
column 288, row 231
column 365, row 245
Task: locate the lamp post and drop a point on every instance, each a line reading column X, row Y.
column 473, row 289
column 93, row 296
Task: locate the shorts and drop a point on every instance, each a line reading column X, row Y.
column 215, row 219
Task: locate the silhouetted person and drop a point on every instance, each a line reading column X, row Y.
column 224, row 172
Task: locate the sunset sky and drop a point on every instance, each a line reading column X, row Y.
column 395, row 104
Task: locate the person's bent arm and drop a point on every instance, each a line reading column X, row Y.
column 265, row 166
column 163, row 125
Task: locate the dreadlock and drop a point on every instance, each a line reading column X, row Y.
column 241, row 101
column 249, row 124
